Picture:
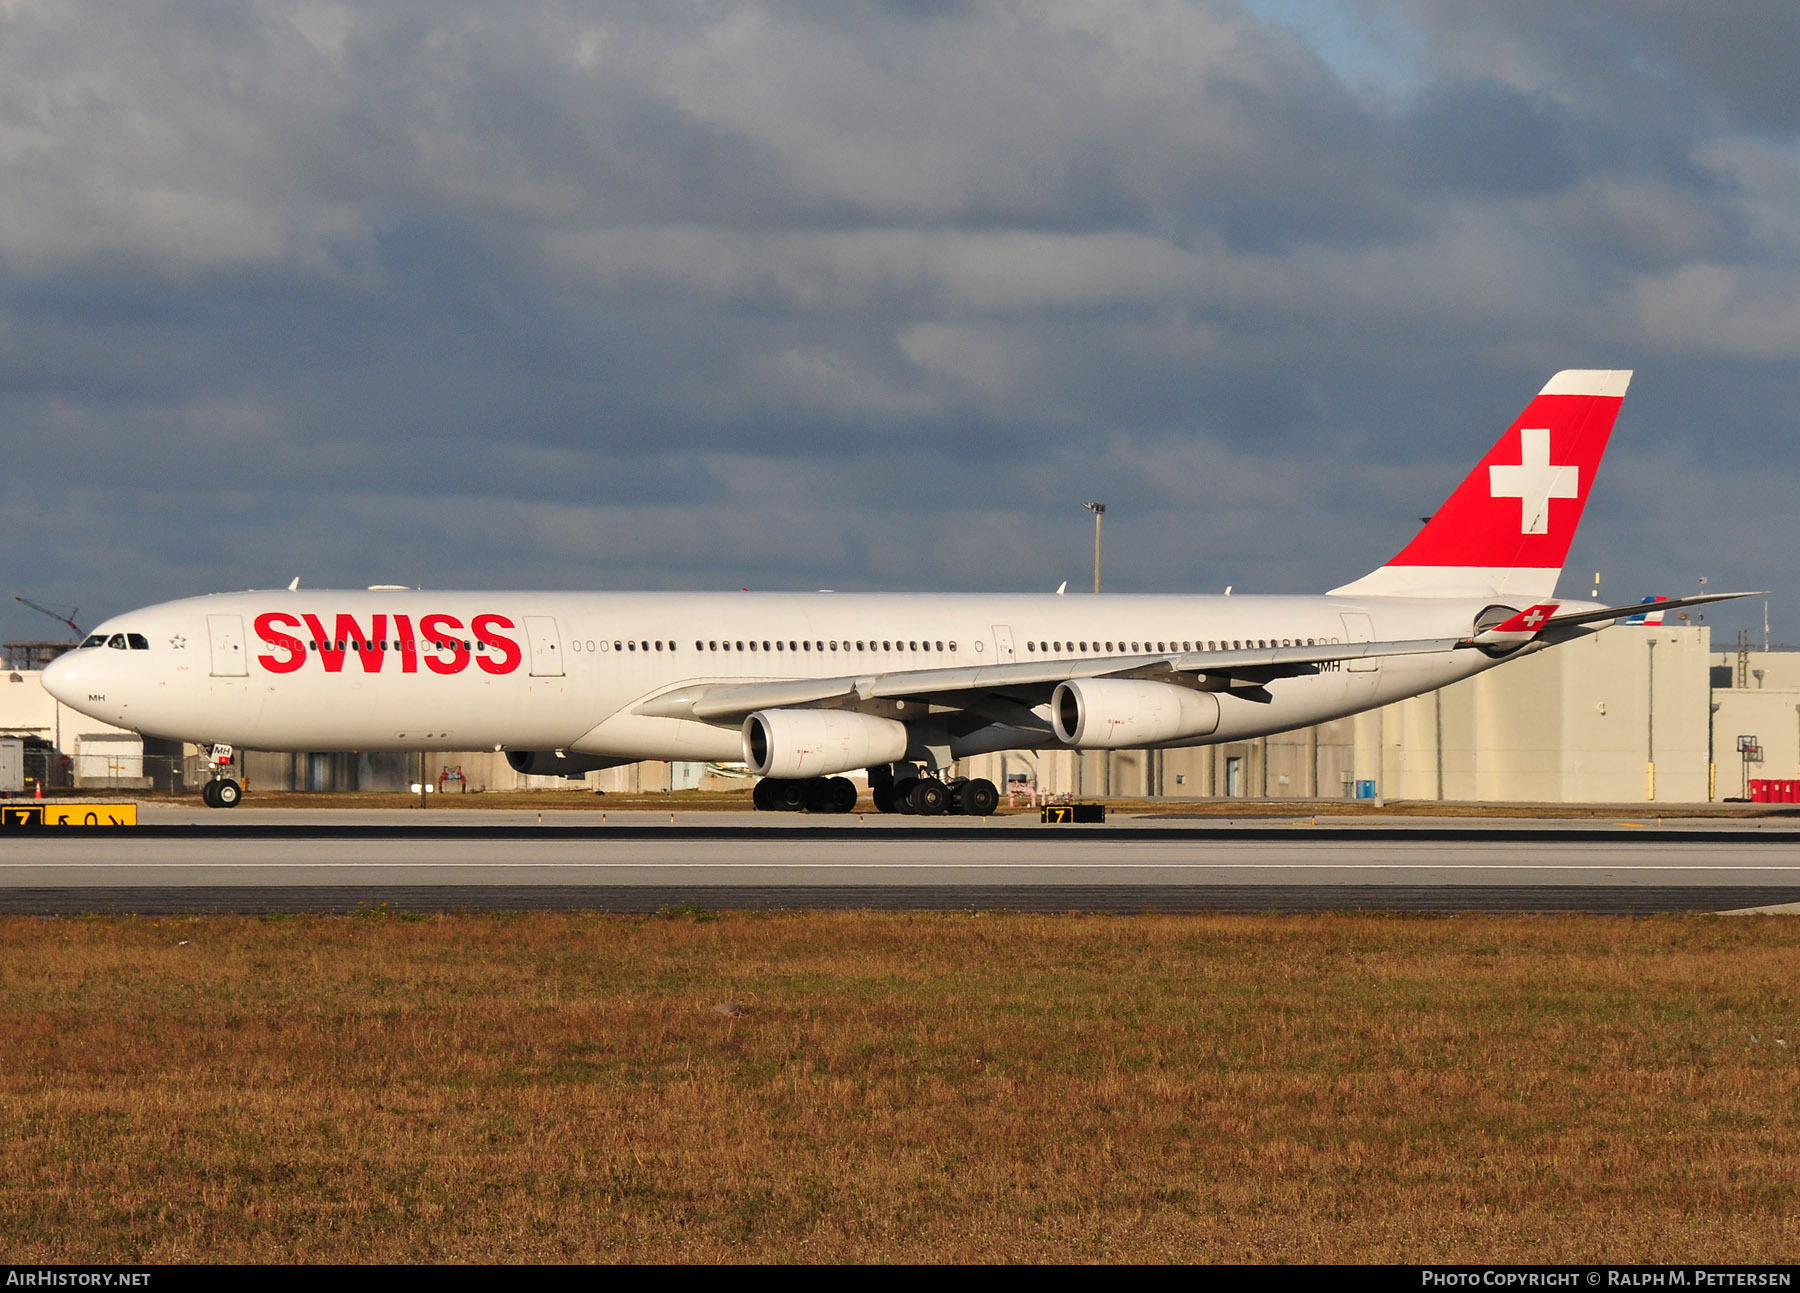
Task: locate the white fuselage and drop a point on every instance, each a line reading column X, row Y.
column 566, row 671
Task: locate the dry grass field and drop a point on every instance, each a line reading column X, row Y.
column 899, row 1087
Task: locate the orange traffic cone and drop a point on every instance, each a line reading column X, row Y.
column 40, row 789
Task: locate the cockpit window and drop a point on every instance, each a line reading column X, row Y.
column 94, row 640
column 116, row 642
column 138, row 641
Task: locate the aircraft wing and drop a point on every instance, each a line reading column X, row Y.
column 1243, row 671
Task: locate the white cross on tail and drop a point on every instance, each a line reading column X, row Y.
column 1534, row 482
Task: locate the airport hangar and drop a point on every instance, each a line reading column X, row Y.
column 1634, row 714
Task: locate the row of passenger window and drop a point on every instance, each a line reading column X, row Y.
column 768, row 644
column 1163, row 647
column 833, row 644
column 894, row 644
column 352, row 644
column 118, row 641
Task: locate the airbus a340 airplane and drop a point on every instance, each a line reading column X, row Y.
column 803, row 687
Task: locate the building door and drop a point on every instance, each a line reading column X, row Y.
column 229, row 659
column 1003, row 644
column 1234, row 776
column 546, row 646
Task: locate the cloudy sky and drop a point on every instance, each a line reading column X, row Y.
column 872, row 296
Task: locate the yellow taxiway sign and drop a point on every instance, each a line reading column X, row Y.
column 18, row 816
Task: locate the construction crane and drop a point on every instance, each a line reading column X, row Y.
column 55, row 614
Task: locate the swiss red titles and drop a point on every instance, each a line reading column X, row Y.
column 441, row 640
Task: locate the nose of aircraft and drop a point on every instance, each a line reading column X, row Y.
column 63, row 678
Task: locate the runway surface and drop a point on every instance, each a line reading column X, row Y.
column 269, row 860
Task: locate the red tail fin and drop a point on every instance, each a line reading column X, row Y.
column 1506, row 530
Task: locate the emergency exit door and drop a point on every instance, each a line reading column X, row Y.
column 546, row 646
column 1357, row 628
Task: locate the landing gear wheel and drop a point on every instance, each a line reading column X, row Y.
column 881, row 789
column 978, row 798
column 208, row 794
column 226, row 793
column 928, row 798
column 902, row 795
column 780, row 794
column 840, row 794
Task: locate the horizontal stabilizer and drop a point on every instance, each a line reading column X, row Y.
column 1623, row 612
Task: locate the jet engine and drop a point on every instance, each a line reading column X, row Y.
column 548, row 763
column 1124, row 713
column 819, row 742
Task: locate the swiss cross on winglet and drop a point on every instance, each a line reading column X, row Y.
column 1529, row 620
column 1516, row 630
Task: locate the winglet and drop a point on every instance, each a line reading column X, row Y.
column 1518, row 629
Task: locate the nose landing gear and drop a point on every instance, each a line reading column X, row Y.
column 222, row 793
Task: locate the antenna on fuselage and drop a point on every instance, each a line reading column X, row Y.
column 295, row 586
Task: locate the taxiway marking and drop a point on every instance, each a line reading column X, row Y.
column 895, row 866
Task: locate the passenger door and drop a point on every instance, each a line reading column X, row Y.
column 226, row 633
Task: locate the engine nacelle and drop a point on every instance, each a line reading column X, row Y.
column 819, row 742
column 548, row 763
column 1124, row 713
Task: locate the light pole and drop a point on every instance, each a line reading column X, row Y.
column 1099, row 510
column 1650, row 734
column 1712, row 759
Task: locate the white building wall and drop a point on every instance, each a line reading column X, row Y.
column 1780, row 670
column 1572, row 724
column 26, row 709
column 1772, row 716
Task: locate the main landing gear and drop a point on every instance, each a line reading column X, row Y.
column 812, row 795
column 223, row 793
column 911, row 792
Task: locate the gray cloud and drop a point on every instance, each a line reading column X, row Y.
column 871, row 296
